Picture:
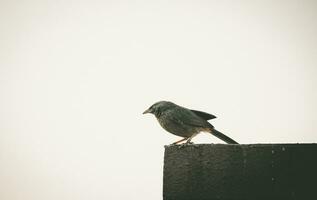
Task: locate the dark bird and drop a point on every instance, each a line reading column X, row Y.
column 184, row 122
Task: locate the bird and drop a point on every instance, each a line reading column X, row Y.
column 185, row 122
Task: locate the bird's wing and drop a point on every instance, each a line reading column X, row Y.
column 188, row 117
column 205, row 116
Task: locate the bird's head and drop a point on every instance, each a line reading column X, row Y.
column 158, row 108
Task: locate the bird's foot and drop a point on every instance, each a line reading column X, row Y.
column 184, row 144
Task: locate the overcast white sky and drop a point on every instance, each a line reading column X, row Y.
column 75, row 77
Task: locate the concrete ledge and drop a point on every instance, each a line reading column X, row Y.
column 227, row 172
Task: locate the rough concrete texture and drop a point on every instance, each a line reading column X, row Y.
column 227, row 172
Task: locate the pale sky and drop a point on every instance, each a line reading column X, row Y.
column 75, row 77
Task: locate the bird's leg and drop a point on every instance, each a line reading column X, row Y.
column 180, row 141
column 190, row 138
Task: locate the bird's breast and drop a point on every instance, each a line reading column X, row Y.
column 176, row 126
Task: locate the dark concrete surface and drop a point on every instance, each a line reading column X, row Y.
column 236, row 172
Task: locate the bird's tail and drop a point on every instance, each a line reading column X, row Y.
column 223, row 137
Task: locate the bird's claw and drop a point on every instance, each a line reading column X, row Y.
column 184, row 144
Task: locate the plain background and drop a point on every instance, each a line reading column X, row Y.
column 75, row 77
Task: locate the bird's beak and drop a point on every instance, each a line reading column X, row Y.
column 147, row 111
